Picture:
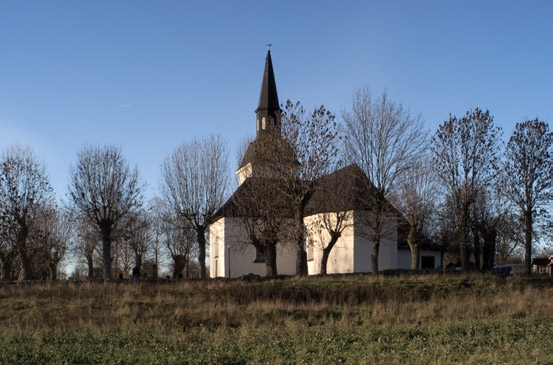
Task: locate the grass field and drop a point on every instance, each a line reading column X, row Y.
column 330, row 320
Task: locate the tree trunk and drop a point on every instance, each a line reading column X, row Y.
column 179, row 262
column 326, row 251
column 490, row 236
column 90, row 266
column 53, row 271
column 476, row 241
column 106, row 250
column 414, row 246
column 269, row 253
column 464, row 240
column 22, row 251
column 528, row 242
column 7, row 265
column 27, row 273
column 377, row 216
column 301, row 254
column 202, row 243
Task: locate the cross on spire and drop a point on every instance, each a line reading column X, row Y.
column 269, row 47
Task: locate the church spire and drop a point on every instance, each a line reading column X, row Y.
column 268, row 110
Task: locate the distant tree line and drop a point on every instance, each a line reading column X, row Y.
column 461, row 189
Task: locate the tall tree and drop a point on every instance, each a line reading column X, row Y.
column 527, row 178
column 465, row 160
column 24, row 188
column 314, row 139
column 105, row 189
column 194, row 183
column 385, row 140
column 415, row 199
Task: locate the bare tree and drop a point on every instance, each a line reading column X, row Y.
column 104, row 189
column 265, row 214
column 415, row 199
column 137, row 237
column 52, row 232
column 527, row 179
column 194, row 184
column 24, row 188
column 385, row 140
column 313, row 137
column 465, row 159
column 87, row 243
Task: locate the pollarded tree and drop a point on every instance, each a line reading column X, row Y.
column 104, row 189
column 24, row 188
column 194, row 184
column 385, row 140
column 465, row 160
column 527, row 178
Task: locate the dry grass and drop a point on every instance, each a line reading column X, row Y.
column 431, row 319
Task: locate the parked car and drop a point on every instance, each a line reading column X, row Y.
column 504, row 269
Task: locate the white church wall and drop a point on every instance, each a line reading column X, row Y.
column 388, row 256
column 232, row 256
column 340, row 259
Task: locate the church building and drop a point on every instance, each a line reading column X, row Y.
column 255, row 225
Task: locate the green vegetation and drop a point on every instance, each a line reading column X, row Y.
column 352, row 320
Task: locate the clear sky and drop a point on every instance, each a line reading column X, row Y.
column 149, row 75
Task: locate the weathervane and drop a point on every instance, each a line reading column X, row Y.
column 269, row 47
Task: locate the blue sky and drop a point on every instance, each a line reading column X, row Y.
column 149, row 75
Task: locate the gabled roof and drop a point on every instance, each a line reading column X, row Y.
column 257, row 196
column 343, row 190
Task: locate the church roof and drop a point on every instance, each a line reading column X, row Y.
column 269, row 149
column 268, row 98
column 256, row 197
column 346, row 189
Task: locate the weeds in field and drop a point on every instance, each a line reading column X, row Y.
column 432, row 319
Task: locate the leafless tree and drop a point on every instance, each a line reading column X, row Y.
column 414, row 197
column 24, row 188
column 87, row 243
column 385, row 140
column 136, row 236
column 265, row 214
column 314, row 139
column 105, row 189
column 527, row 179
column 194, row 183
column 465, row 158
column 51, row 233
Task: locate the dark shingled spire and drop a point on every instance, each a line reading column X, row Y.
column 268, row 110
